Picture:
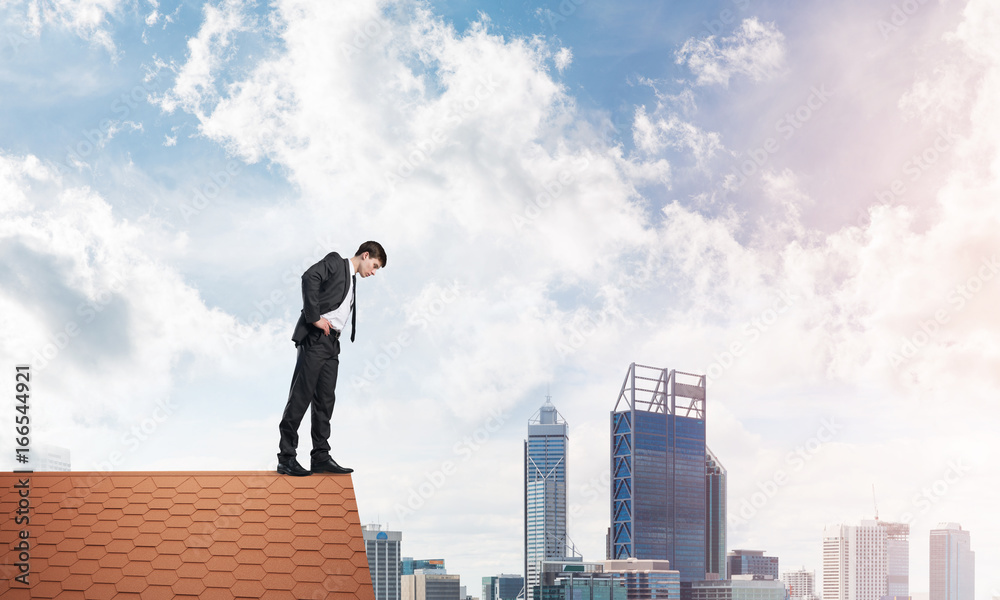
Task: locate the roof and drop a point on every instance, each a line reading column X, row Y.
column 209, row 535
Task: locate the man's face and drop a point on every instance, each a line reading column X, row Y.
column 368, row 265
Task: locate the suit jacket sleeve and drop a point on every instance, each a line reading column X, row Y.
column 330, row 268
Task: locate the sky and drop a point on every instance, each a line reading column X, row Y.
column 796, row 199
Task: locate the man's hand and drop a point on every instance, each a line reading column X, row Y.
column 323, row 324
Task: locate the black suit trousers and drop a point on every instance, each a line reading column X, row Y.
column 314, row 384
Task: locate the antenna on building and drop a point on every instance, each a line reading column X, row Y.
column 875, row 500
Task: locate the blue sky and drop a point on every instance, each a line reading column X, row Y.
column 797, row 199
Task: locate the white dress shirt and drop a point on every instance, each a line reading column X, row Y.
column 338, row 316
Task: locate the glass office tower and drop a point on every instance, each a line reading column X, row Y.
column 715, row 520
column 544, row 491
column 897, row 548
column 658, row 494
column 952, row 564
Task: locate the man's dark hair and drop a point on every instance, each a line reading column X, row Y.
column 374, row 250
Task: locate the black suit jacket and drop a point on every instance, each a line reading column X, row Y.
column 324, row 288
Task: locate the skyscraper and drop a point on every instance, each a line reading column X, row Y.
column 658, row 492
column 953, row 563
column 383, row 560
column 801, row 584
column 866, row 561
column 897, row 548
column 715, row 518
column 544, row 491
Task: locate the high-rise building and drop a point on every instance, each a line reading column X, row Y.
column 502, row 587
column 866, row 561
column 752, row 562
column 658, row 496
column 423, row 565
column 46, row 457
column 801, row 584
column 715, row 517
column 544, row 491
column 431, row 586
column 645, row 579
column 897, row 548
column 953, row 563
column 383, row 560
column 576, row 580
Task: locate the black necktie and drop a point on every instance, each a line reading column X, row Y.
column 354, row 305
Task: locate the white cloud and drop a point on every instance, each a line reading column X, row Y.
column 563, row 58
column 195, row 82
column 88, row 19
column 653, row 134
column 82, row 301
column 756, row 50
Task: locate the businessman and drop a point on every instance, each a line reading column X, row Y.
column 328, row 293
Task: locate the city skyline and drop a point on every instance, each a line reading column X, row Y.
column 795, row 199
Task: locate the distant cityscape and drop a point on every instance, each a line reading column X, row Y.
column 667, row 534
column 667, row 527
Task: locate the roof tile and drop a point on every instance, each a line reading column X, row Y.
column 138, row 568
column 247, row 589
column 54, row 573
column 226, row 535
column 113, row 562
column 158, row 592
column 84, row 567
column 46, row 589
column 190, row 586
column 101, row 590
column 77, row 582
column 145, row 554
column 192, row 570
column 214, row 593
column 132, row 584
column 166, row 562
column 161, row 577
column 222, row 563
column 221, row 579
column 278, row 581
column 247, row 542
column 249, row 572
column 279, row 535
column 152, row 526
column 309, row 558
column 195, row 535
column 189, row 485
column 307, row 543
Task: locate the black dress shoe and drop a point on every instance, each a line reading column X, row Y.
column 329, row 466
column 292, row 467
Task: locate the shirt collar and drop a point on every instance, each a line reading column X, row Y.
column 351, row 267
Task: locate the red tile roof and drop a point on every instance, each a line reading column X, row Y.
column 168, row 535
